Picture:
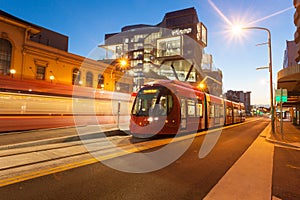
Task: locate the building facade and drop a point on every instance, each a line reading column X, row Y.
column 171, row 49
column 213, row 80
column 290, row 54
column 32, row 52
column 289, row 77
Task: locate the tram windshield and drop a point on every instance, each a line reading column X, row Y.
column 156, row 101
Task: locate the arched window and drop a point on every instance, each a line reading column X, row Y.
column 5, row 56
column 76, row 77
column 89, row 79
column 100, row 81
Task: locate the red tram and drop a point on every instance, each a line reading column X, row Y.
column 171, row 107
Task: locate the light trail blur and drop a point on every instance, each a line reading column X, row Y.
column 30, row 111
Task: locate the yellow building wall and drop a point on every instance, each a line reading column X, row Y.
column 27, row 55
column 15, row 35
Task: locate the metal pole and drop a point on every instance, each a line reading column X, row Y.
column 271, row 81
column 281, row 123
column 271, row 74
column 119, row 109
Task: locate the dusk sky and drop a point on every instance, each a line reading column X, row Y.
column 86, row 23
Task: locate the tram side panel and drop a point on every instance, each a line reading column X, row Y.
column 215, row 111
column 228, row 112
column 243, row 112
column 236, row 112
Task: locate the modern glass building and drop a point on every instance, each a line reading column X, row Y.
column 171, row 49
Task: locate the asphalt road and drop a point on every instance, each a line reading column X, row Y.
column 189, row 177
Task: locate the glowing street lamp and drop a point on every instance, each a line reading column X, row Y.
column 238, row 29
column 122, row 63
column 12, row 72
column 201, row 86
column 52, row 78
column 119, row 64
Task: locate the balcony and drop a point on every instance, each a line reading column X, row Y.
column 289, row 78
column 293, row 71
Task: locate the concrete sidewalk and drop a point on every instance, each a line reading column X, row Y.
column 251, row 176
column 290, row 135
column 255, row 166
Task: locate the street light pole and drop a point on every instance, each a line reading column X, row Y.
column 270, row 71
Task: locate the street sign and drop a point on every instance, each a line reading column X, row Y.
column 281, row 95
column 283, row 99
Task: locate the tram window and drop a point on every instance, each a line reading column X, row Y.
column 217, row 111
column 221, row 111
column 170, row 103
column 153, row 101
column 162, row 106
column 191, row 108
column 211, row 110
column 228, row 111
column 199, row 110
column 183, row 108
column 143, row 104
column 235, row 111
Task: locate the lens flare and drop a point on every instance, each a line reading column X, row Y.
column 271, row 15
column 219, row 12
column 236, row 29
column 233, row 27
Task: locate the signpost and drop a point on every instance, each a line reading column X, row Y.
column 280, row 97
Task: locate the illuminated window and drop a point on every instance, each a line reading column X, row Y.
column 199, row 110
column 211, row 110
column 76, row 77
column 5, row 56
column 191, row 108
column 229, row 111
column 217, row 111
column 151, row 102
column 89, row 79
column 202, row 33
column 221, row 111
column 169, row 46
column 100, row 81
column 235, row 112
column 40, row 72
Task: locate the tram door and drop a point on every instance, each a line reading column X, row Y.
column 183, row 113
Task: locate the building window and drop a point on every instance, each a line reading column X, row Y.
column 170, row 46
column 5, row 56
column 76, row 76
column 122, row 87
column 100, row 81
column 89, row 79
column 40, row 72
